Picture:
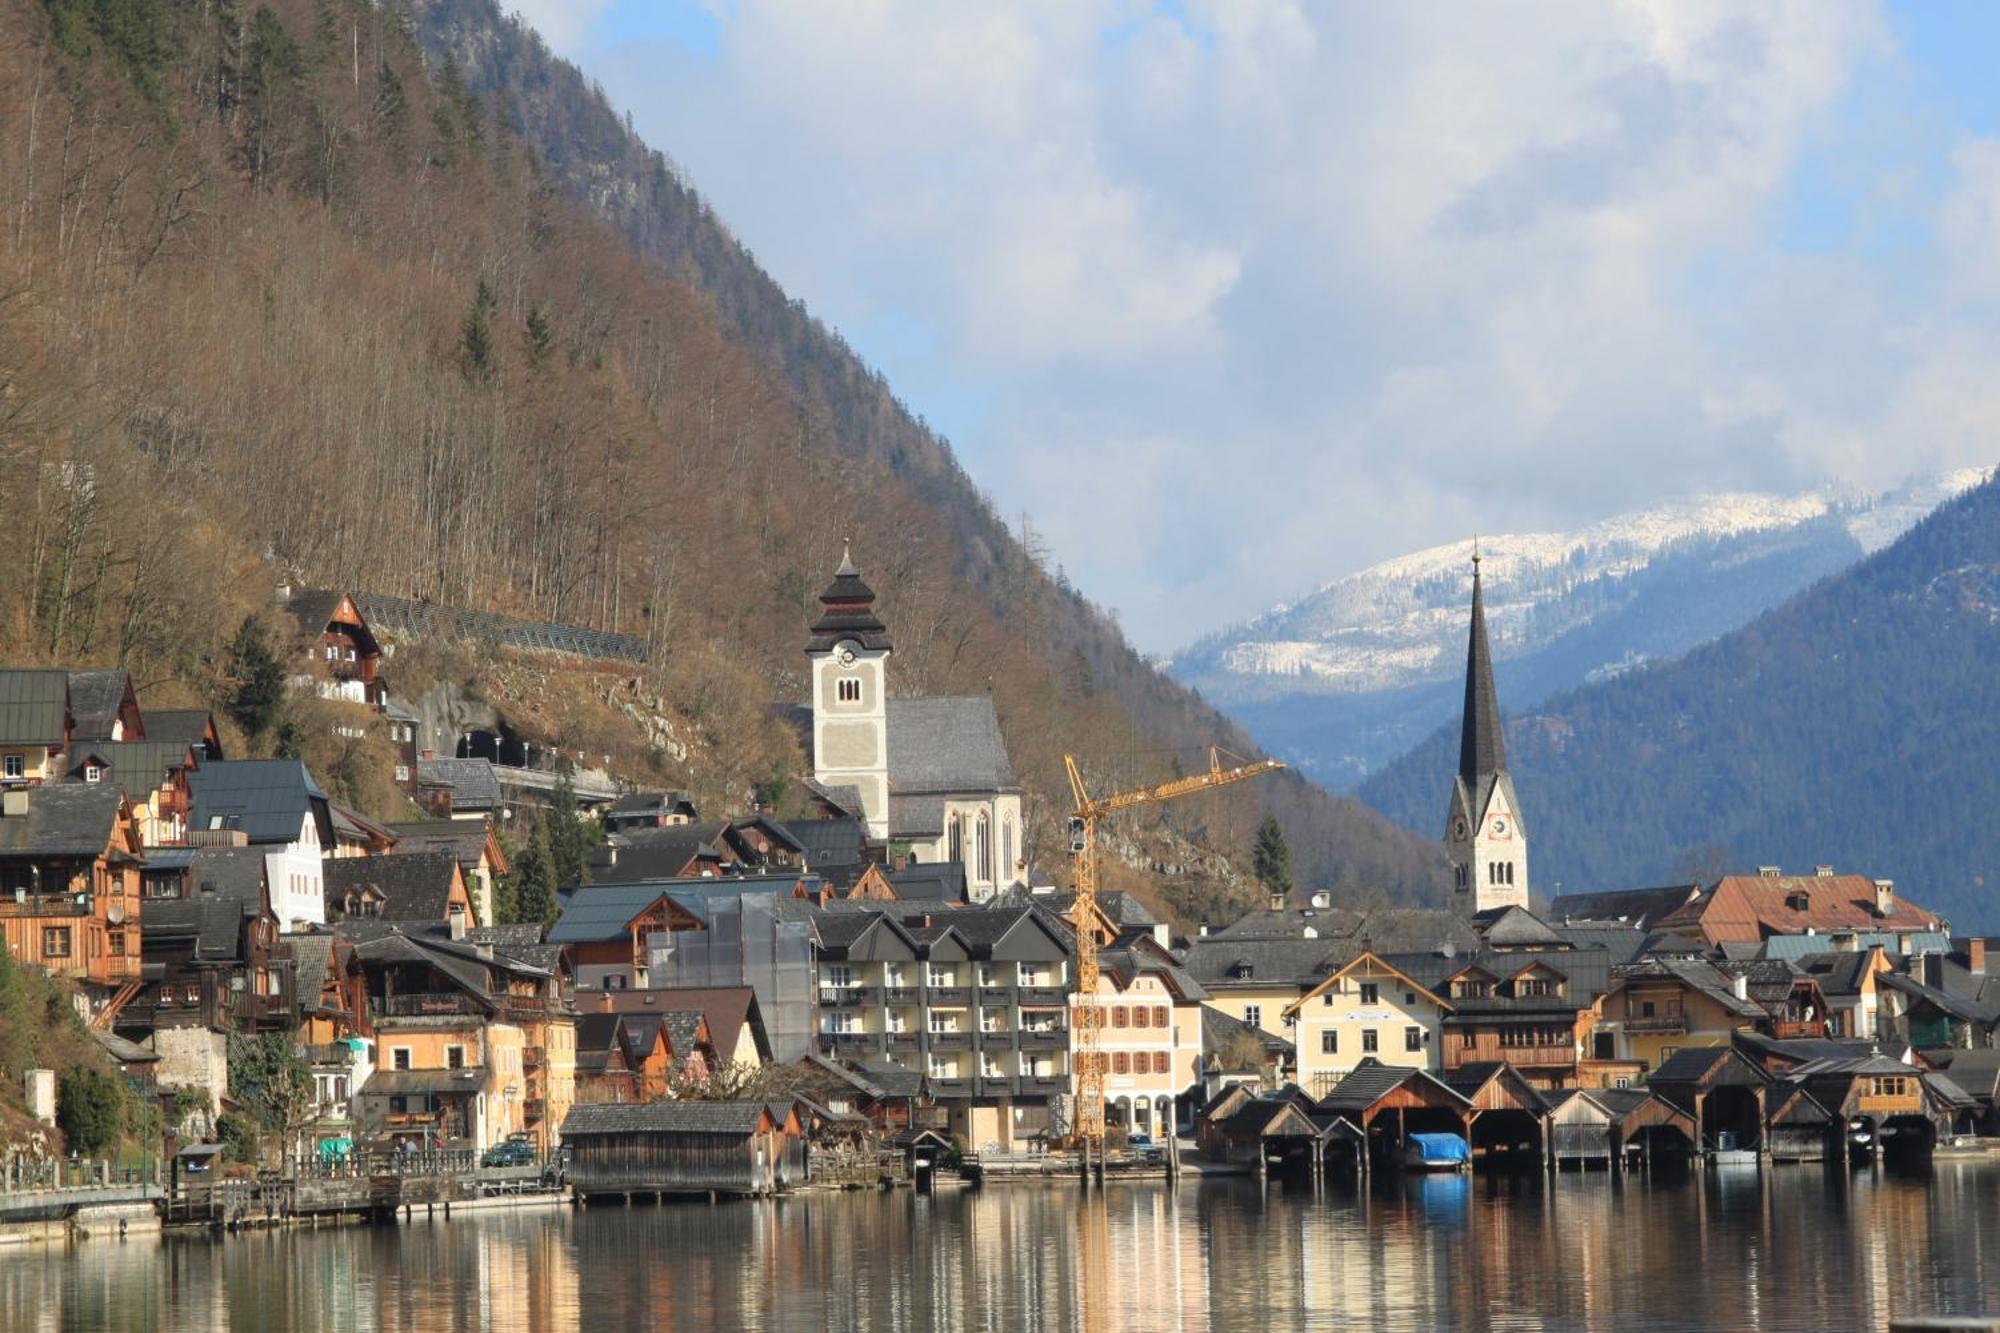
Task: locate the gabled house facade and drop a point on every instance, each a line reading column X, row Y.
column 1365, row 1010
column 70, row 857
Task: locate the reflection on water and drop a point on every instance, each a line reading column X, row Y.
column 1789, row 1249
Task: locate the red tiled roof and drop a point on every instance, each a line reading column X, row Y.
column 1749, row 908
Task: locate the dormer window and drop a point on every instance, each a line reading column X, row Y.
column 92, row 773
column 1242, row 971
column 1798, row 900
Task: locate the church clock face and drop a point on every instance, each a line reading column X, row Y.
column 1499, row 828
column 1458, row 829
column 847, row 657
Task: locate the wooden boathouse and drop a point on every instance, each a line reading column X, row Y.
column 684, row 1147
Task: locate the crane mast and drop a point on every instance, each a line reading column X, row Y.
column 1083, row 846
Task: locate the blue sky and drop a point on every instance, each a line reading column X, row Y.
column 1231, row 297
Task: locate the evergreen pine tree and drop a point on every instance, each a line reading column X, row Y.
column 570, row 838
column 534, row 888
column 539, row 336
column 1271, row 859
column 256, row 680
column 475, row 333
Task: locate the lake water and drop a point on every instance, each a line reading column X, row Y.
column 1793, row 1248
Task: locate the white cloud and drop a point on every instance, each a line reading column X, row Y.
column 1259, row 292
column 562, row 23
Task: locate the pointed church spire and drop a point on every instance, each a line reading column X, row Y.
column 1481, row 749
column 847, row 568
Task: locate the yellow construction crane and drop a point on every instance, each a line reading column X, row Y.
column 1083, row 844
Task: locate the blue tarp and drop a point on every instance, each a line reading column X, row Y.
column 1441, row 1147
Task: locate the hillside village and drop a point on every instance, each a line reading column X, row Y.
column 892, row 965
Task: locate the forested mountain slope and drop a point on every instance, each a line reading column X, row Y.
column 1858, row 724
column 281, row 297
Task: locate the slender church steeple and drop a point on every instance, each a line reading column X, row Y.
column 1481, row 748
column 1484, row 836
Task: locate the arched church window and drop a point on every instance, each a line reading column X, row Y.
column 850, row 690
column 983, row 848
column 1007, row 847
column 957, row 841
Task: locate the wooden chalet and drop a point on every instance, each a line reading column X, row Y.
column 1509, row 1118
column 684, row 1147
column 1723, row 1091
column 604, row 928
column 1388, row 1104
column 341, row 652
column 69, row 883
column 212, row 957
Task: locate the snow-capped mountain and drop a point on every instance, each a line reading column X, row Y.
column 1360, row 669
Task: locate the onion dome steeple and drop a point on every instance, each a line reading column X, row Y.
column 847, row 611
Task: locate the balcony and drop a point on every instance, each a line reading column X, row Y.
column 1054, row 1039
column 1786, row 1029
column 904, row 1043
column 999, row 1039
column 534, row 1057
column 951, row 1087
column 902, row 995
column 837, row 997
column 450, row 1004
column 1524, row 1055
column 1676, row 1021
column 1044, row 1085
column 951, row 1041
column 854, row 1043
column 948, row 996
column 1051, row 997
column 996, row 997
column 998, row 1086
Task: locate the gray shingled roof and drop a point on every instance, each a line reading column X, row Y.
column 463, row 838
column 137, row 767
column 1219, row 1029
column 683, row 1027
column 681, row 1117
column 1515, row 928
column 69, row 820
column 474, row 785
column 946, row 745
column 828, row 842
column 602, row 912
column 267, row 799
column 1638, row 907
column 187, row 726
column 1220, row 963
column 95, row 701
column 633, row 855
column 415, row 886
column 930, row 881
column 1369, row 1083
column 34, row 706
column 228, row 888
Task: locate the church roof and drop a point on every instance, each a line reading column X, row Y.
column 1481, row 748
column 847, row 611
column 946, row 745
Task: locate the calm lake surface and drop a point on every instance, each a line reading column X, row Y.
column 1793, row 1248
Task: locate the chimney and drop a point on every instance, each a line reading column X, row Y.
column 1277, row 902
column 14, row 803
column 485, row 950
column 1975, row 954
column 1885, row 896
column 1201, row 931
column 1769, row 872
column 1933, row 969
column 1739, row 986
column 456, row 921
column 1322, row 900
column 1823, row 872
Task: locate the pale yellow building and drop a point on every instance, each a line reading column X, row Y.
column 1364, row 1010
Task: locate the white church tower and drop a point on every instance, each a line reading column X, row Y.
column 1485, row 836
column 848, row 655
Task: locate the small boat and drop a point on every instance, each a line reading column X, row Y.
column 1436, row 1152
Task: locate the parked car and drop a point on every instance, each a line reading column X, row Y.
column 513, row 1152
